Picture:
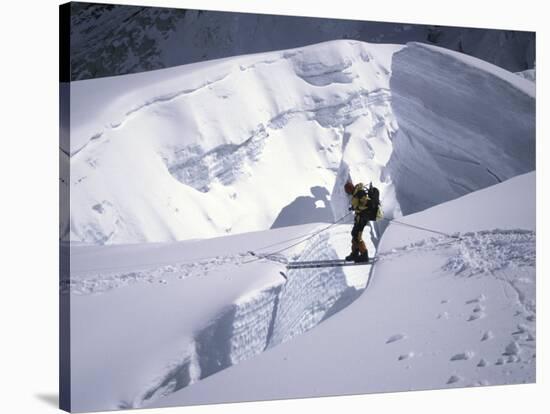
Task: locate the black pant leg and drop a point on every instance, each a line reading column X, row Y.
column 358, row 227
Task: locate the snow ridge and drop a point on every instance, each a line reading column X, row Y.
column 97, row 283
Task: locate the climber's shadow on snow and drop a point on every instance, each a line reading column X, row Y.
column 306, row 209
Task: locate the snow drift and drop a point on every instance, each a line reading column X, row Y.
column 260, row 141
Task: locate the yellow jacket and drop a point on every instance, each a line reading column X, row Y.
column 359, row 198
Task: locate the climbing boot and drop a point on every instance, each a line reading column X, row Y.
column 363, row 255
column 354, row 252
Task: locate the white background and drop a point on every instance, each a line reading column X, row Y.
column 29, row 212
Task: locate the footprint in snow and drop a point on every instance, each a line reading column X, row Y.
column 522, row 329
column 405, row 356
column 479, row 308
column 513, row 349
column 443, row 315
column 480, row 383
column 454, row 379
column 463, row 356
column 482, row 363
column 480, row 298
column 475, row 316
column 487, row 335
column 395, row 338
column 512, row 358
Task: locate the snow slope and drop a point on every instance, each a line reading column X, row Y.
column 267, row 140
column 463, row 125
column 438, row 312
column 149, row 319
column 201, row 150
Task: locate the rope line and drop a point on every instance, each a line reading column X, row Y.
column 312, row 234
column 305, row 237
column 422, row 228
column 308, row 236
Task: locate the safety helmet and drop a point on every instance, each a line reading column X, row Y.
column 349, row 187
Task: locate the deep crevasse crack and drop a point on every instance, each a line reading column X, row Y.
column 260, row 320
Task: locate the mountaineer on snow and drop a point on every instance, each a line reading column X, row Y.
column 365, row 203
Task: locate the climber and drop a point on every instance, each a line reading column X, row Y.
column 365, row 202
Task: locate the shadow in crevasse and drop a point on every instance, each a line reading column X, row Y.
column 306, row 209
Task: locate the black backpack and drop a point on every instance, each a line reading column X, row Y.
column 373, row 203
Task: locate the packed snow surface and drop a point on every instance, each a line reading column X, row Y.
column 267, row 140
column 439, row 312
column 163, row 318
